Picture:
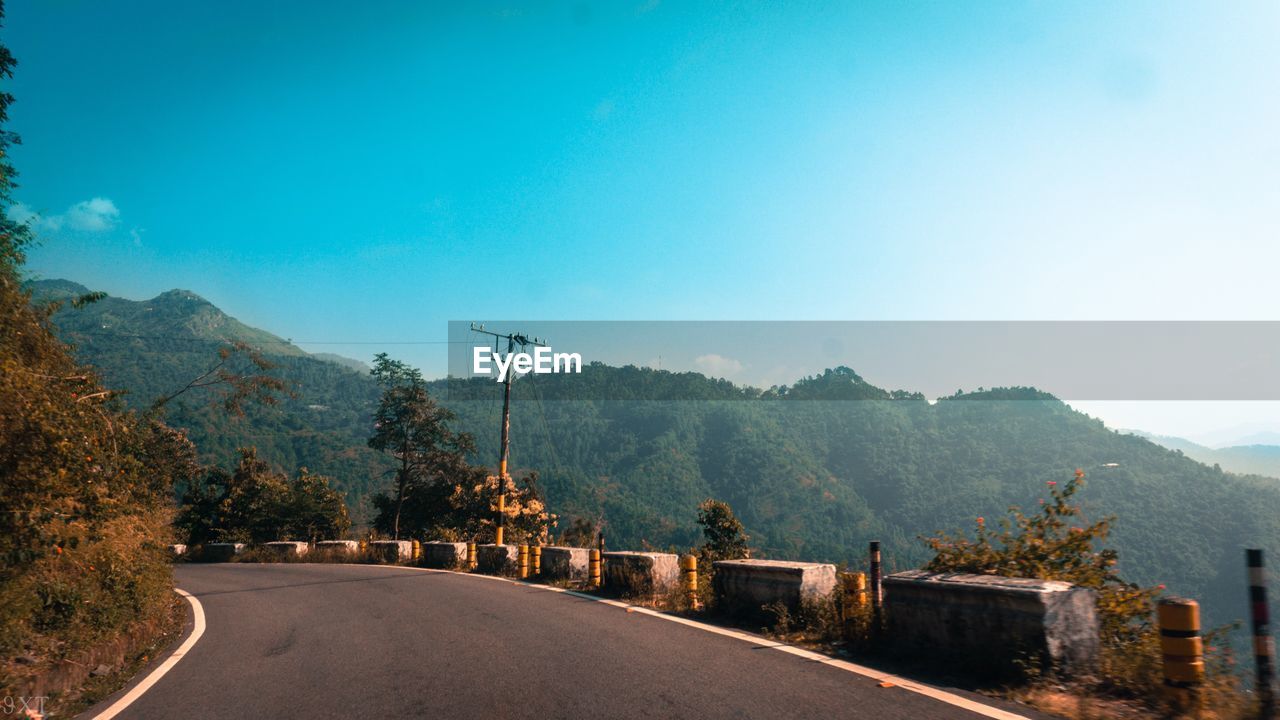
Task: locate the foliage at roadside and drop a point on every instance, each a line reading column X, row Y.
column 85, row 486
column 255, row 503
column 1058, row 543
column 723, row 539
column 436, row 492
column 1055, row 543
column 582, row 532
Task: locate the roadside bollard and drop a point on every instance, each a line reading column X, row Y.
column 877, row 594
column 855, row 599
column 593, row 569
column 1183, row 650
column 524, row 562
column 855, row 593
column 471, row 556
column 1264, row 648
column 535, row 560
column 502, row 516
column 417, row 550
column 689, row 579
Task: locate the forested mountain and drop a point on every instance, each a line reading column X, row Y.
column 814, row 470
column 153, row 348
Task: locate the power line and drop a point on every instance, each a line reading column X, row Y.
column 267, row 342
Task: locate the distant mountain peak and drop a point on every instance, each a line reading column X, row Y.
column 179, row 294
column 175, row 315
column 55, row 289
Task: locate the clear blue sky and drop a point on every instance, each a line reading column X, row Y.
column 368, row 171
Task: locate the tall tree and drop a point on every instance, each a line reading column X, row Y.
column 314, row 510
column 15, row 233
column 725, row 539
column 85, row 487
column 411, row 427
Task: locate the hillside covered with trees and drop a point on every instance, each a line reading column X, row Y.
column 813, row 470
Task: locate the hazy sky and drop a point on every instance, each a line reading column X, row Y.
column 366, row 172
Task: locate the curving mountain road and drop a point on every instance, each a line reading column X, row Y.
column 339, row 641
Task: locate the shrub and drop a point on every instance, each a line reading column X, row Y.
column 1058, row 543
column 257, row 504
column 725, row 539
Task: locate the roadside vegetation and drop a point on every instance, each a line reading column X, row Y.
column 85, row 487
column 1056, row 542
column 255, row 503
column 437, row 493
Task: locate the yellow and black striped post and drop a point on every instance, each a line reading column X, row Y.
column 689, row 579
column 593, row 569
column 417, row 550
column 471, row 556
column 1183, row 650
column 877, row 596
column 855, row 599
column 855, row 592
column 364, row 546
column 535, row 561
column 1264, row 648
column 524, row 562
column 502, row 517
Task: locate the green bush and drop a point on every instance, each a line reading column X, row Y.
column 256, row 503
column 1058, row 543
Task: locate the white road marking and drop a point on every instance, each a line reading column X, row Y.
column 136, row 692
column 908, row 685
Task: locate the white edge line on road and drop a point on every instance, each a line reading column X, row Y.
column 137, row 690
column 908, row 685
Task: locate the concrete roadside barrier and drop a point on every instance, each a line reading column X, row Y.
column 337, row 548
column 498, row 559
column 392, row 551
column 444, row 555
column 220, row 552
column 990, row 624
column 565, row 563
column 744, row 587
column 287, row 549
column 640, row 573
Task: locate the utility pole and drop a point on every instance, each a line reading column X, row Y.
column 523, row 341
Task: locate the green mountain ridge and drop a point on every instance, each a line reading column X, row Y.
column 814, row 470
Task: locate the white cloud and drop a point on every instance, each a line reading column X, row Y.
column 714, row 365
column 96, row 215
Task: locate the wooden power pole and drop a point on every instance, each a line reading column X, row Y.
column 523, row 341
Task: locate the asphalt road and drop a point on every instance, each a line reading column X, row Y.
column 341, row 641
